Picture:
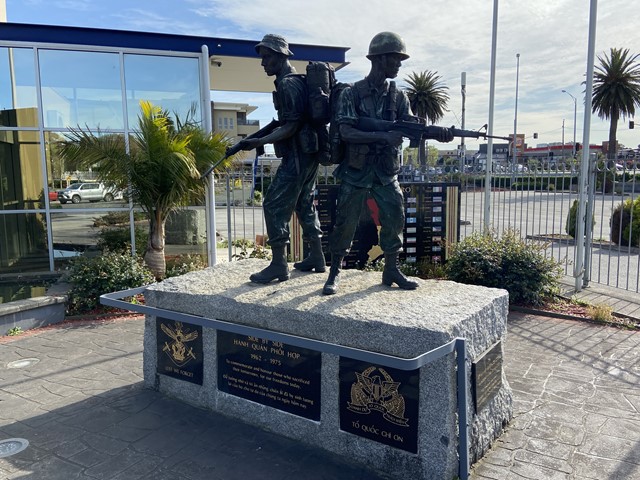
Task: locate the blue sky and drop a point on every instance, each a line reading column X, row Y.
column 448, row 37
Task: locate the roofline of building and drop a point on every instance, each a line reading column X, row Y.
column 55, row 34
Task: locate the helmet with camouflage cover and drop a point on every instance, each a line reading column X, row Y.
column 387, row 42
column 276, row 43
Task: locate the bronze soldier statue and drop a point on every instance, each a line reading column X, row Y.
column 371, row 162
column 292, row 187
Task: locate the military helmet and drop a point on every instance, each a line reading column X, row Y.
column 387, row 42
column 276, row 43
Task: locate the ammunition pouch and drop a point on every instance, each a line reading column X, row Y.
column 357, row 155
column 308, row 139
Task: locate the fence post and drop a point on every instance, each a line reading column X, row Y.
column 463, row 423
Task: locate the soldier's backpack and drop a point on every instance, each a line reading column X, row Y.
column 324, row 92
column 321, row 80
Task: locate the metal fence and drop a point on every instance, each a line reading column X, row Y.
column 536, row 200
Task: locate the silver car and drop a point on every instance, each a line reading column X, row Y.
column 81, row 192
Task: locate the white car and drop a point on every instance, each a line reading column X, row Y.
column 89, row 191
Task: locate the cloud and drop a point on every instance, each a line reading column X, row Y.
column 448, row 37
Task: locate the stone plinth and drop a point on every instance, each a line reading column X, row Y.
column 364, row 314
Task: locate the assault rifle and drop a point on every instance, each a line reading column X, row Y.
column 263, row 132
column 415, row 131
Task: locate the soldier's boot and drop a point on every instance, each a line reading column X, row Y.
column 331, row 285
column 315, row 259
column 391, row 274
column 277, row 269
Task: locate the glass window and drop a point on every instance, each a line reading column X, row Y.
column 81, row 89
column 172, row 83
column 23, row 243
column 18, row 101
column 59, row 174
column 21, row 177
column 75, row 233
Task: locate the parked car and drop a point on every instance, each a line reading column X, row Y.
column 92, row 192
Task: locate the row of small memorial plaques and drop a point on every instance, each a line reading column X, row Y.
column 379, row 403
column 432, row 215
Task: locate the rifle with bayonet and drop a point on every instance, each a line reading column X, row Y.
column 263, row 132
column 415, row 131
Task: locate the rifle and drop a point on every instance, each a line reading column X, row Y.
column 416, row 131
column 263, row 132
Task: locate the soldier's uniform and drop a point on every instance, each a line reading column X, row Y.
column 369, row 168
column 291, row 189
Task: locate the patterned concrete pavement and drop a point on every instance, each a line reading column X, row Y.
column 86, row 415
column 577, row 403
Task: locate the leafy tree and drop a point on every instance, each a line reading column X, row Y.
column 428, row 98
column 616, row 90
column 161, row 168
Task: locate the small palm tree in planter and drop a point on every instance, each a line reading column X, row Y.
column 161, row 168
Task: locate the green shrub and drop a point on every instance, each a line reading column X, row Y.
column 570, row 225
column 184, row 264
column 118, row 239
column 257, row 197
column 109, row 272
column 508, row 262
column 625, row 223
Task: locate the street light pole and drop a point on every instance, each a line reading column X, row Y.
column 575, row 111
column 463, row 91
column 515, row 119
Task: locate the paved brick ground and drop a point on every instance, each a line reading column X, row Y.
column 84, row 411
column 577, row 403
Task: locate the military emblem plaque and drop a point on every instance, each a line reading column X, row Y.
column 179, row 350
column 380, row 403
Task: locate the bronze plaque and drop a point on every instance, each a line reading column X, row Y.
column 486, row 376
column 380, row 403
column 179, row 350
column 270, row 373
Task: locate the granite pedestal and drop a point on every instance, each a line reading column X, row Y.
column 402, row 423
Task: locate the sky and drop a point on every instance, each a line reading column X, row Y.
column 448, row 37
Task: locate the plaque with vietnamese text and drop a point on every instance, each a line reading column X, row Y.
column 380, row 403
column 270, row 373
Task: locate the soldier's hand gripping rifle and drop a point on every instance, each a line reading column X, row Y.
column 242, row 145
column 415, row 131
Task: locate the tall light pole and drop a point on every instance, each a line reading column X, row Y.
column 575, row 111
column 463, row 91
column 515, row 118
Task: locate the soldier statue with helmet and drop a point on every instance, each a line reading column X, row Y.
column 292, row 187
column 371, row 161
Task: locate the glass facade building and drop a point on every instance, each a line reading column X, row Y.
column 44, row 92
column 53, row 79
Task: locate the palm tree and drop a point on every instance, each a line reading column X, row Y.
column 616, row 90
column 428, row 98
column 161, row 170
